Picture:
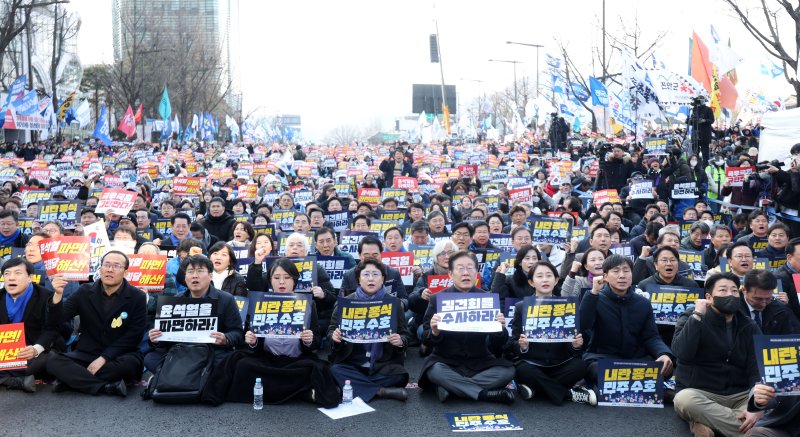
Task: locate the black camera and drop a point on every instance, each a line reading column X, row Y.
column 765, row 165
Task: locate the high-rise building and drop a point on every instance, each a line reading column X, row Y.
column 213, row 25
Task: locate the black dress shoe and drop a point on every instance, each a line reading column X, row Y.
column 59, row 386
column 503, row 396
column 116, row 389
column 398, row 393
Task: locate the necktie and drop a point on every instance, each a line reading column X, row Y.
column 757, row 318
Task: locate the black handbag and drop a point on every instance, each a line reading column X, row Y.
column 183, row 375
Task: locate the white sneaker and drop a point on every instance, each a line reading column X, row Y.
column 524, row 391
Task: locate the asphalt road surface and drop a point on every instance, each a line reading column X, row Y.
column 74, row 414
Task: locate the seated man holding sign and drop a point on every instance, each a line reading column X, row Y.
column 714, row 343
column 618, row 322
column 113, row 320
column 466, row 339
column 199, row 272
column 22, row 301
column 373, row 368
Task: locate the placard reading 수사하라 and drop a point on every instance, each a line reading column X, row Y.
column 468, row 312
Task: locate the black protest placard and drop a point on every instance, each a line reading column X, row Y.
column 367, row 321
column 278, row 315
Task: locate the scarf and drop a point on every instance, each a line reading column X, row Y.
column 175, row 240
column 8, row 241
column 16, row 307
column 439, row 270
column 375, row 349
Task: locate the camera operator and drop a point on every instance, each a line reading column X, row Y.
column 558, row 132
column 678, row 171
column 787, row 200
column 700, row 120
column 615, row 167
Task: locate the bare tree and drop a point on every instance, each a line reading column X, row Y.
column 768, row 32
column 15, row 17
column 344, row 134
column 64, row 29
column 570, row 72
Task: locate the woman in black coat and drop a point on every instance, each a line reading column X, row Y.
column 224, row 276
column 374, row 369
column 288, row 367
column 516, row 286
column 549, row 368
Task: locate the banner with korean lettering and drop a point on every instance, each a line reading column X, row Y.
column 371, row 196
column 630, row 384
column 480, row 422
column 36, row 196
column 602, row 196
column 338, row 221
column 423, row 255
column 147, row 272
column 66, row 255
column 308, row 269
column 405, row 182
column 655, row 146
column 524, row 194
column 467, row 170
column 670, row 301
column 12, row 340
column 348, row 241
column 116, row 201
column 550, row 319
column 642, row 190
column 502, row 242
column 336, row 266
column 550, row 230
column 468, row 312
column 284, row 218
column 402, row 262
column 777, row 358
column 278, row 315
column 248, row 192
column 694, row 258
column 186, row 319
column 186, row 186
column 65, row 211
column 684, row 190
column 437, row 283
column 366, row 321
column 737, row 175
column 398, row 194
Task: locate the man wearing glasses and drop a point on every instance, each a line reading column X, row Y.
column 199, row 271
column 113, row 317
column 10, row 234
column 771, row 315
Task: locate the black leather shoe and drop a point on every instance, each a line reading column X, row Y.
column 503, row 396
column 398, row 393
column 116, row 389
column 59, row 387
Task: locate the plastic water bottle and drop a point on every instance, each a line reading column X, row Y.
column 347, row 392
column 258, row 395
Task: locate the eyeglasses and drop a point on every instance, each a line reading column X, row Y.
column 445, row 254
column 461, row 234
column 113, row 266
column 368, row 275
column 667, row 260
column 192, row 272
column 465, row 269
column 742, row 257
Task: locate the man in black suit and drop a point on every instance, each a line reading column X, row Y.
column 22, row 301
column 786, row 274
column 113, row 320
column 772, row 316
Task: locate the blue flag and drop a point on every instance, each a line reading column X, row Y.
column 14, row 89
column 166, row 132
column 101, row 131
column 27, row 104
column 164, row 107
column 599, row 93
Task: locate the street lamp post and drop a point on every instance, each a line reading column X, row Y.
column 516, row 102
column 538, row 46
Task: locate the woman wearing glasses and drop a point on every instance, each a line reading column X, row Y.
column 374, row 369
column 419, row 298
column 288, row 367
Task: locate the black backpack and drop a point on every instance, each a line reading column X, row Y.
column 183, row 375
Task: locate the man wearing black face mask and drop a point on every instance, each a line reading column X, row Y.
column 714, row 344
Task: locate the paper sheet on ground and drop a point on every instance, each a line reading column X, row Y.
column 355, row 408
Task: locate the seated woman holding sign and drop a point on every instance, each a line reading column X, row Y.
column 466, row 363
column 549, row 368
column 225, row 276
column 374, row 369
column 419, row 298
column 288, row 367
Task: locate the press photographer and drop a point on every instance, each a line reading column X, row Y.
column 615, row 166
column 700, row 120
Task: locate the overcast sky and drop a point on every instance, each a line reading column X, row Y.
column 353, row 62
